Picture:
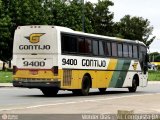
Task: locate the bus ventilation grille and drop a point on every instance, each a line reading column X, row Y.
column 67, row 77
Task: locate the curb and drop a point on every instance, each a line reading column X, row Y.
column 153, row 82
column 6, row 85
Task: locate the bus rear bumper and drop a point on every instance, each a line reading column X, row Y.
column 36, row 84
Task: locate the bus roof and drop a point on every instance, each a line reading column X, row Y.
column 70, row 31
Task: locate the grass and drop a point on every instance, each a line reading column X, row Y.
column 6, row 76
column 154, row 76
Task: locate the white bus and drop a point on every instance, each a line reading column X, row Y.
column 53, row 58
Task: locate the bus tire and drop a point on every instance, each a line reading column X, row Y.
column 102, row 90
column 49, row 92
column 134, row 85
column 85, row 87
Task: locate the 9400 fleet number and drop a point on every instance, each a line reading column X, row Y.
column 34, row 63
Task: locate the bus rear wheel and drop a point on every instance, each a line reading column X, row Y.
column 134, row 86
column 86, row 84
column 102, row 90
column 49, row 92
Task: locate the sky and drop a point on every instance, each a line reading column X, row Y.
column 148, row 9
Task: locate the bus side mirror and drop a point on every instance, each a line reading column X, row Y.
column 147, row 58
column 145, row 67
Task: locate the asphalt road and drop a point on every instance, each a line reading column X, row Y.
column 22, row 100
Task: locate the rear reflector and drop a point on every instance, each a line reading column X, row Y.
column 14, row 70
column 33, row 72
column 55, row 70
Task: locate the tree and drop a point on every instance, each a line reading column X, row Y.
column 73, row 15
column 29, row 12
column 5, row 35
column 103, row 18
column 134, row 28
column 89, row 18
column 69, row 14
column 157, row 58
column 15, row 13
column 154, row 57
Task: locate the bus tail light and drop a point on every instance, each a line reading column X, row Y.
column 14, row 70
column 55, row 70
column 33, row 72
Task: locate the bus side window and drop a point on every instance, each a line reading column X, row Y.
column 101, row 48
column 135, row 51
column 65, row 43
column 130, row 51
column 81, row 46
column 114, row 49
column 142, row 53
column 125, row 50
column 69, row 44
column 84, row 45
column 87, row 44
column 108, row 49
column 95, row 47
column 119, row 50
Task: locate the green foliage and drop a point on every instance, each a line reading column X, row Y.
column 5, row 77
column 15, row 13
column 158, row 67
column 102, row 22
column 134, row 28
column 28, row 12
column 68, row 13
column 157, row 58
column 154, row 57
column 5, row 35
column 154, row 76
column 89, row 18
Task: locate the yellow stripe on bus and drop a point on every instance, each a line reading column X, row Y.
column 111, row 67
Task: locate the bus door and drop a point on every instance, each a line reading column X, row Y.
column 143, row 57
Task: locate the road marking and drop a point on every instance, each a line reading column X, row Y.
column 79, row 101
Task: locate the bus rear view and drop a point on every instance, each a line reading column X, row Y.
column 35, row 58
column 53, row 58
